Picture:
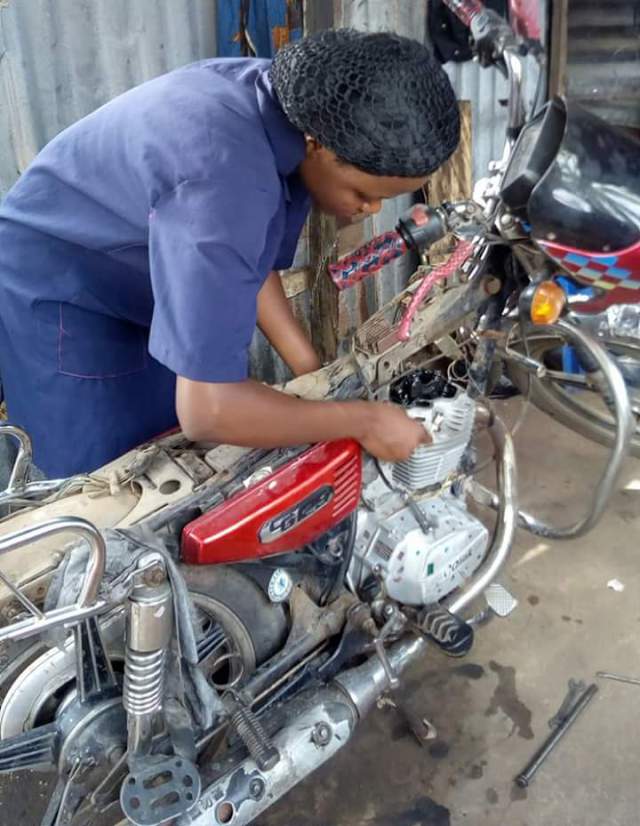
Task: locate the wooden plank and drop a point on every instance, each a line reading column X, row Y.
column 350, row 237
column 454, row 180
column 295, row 281
column 322, row 318
column 559, row 45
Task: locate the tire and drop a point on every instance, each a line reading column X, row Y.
column 549, row 396
column 255, row 627
column 257, row 624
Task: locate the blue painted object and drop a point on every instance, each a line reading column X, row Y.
column 262, row 25
column 570, row 360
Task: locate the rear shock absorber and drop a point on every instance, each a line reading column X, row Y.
column 149, row 627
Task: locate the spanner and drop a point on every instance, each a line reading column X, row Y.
column 576, row 688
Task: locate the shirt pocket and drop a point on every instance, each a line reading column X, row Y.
column 88, row 345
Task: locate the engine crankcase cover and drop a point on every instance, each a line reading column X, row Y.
column 421, row 568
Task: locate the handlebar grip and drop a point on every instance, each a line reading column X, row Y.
column 465, row 10
column 367, row 260
column 524, row 19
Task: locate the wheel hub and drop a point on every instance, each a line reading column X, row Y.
column 93, row 733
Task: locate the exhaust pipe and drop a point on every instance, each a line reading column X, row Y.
column 324, row 723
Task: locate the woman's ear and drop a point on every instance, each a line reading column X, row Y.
column 312, row 145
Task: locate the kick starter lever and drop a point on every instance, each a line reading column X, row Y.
column 394, row 624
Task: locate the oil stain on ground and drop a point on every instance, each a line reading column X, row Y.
column 439, row 750
column 505, row 698
column 473, row 671
column 423, row 812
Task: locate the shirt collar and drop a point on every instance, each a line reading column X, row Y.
column 286, row 141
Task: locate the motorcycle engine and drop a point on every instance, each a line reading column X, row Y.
column 415, row 534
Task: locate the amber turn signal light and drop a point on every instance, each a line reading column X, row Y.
column 547, row 303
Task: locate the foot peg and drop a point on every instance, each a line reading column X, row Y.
column 167, row 788
column 250, row 730
column 451, row 634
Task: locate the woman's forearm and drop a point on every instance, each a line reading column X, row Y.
column 284, row 332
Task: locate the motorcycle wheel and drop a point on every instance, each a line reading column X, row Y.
column 581, row 410
column 224, row 600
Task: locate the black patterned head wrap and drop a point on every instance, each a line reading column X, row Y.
column 379, row 101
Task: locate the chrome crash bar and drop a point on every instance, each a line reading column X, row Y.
column 618, row 397
column 87, row 603
column 507, row 506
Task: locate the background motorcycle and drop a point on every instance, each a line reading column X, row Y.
column 235, row 613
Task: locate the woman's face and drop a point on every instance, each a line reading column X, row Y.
column 343, row 190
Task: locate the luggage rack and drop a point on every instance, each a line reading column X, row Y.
column 87, row 603
column 18, row 487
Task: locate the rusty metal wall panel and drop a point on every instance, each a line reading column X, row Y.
column 60, row 59
column 603, row 58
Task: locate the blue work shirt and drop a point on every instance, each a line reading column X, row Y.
column 133, row 248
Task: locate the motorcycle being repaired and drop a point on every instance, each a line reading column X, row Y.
column 192, row 630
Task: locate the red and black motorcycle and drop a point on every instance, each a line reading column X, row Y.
column 190, row 631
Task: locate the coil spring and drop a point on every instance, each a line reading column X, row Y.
column 143, row 681
column 255, row 738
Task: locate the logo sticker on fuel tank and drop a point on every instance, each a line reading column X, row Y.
column 288, row 520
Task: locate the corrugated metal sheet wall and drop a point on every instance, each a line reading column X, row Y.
column 60, row 59
column 603, row 60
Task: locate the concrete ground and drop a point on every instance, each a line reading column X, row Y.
column 491, row 709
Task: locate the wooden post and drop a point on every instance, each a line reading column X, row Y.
column 323, row 310
column 323, row 313
column 559, row 45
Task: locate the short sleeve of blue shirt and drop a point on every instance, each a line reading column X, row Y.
column 213, row 240
column 209, row 256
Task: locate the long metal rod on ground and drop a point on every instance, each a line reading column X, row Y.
column 619, row 678
column 526, row 775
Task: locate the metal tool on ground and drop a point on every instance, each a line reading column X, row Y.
column 422, row 729
column 619, row 678
column 576, row 688
column 526, row 775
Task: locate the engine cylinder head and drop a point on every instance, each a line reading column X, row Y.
column 450, row 422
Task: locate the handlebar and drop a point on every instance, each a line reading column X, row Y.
column 368, row 259
column 418, row 229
